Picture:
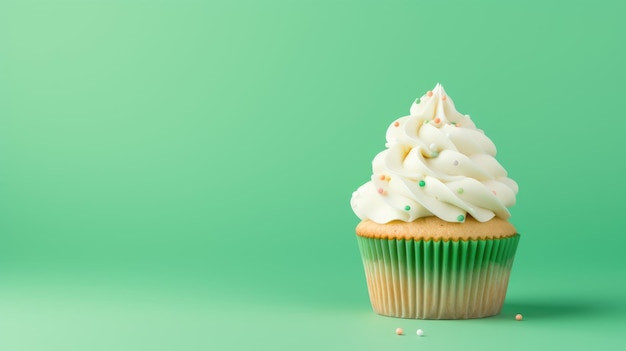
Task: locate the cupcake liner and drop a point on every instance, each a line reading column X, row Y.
column 437, row 279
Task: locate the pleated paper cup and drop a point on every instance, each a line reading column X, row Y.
column 437, row 279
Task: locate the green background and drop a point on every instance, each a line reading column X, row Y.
column 176, row 175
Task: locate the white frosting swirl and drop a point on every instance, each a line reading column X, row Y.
column 437, row 163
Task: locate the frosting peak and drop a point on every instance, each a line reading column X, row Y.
column 437, row 163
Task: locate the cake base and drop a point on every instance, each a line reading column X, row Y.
column 437, row 279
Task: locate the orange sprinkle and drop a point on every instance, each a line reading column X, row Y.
column 437, row 120
column 444, row 98
column 429, row 93
column 396, row 123
column 382, row 177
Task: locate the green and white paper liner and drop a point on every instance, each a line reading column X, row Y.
column 437, row 279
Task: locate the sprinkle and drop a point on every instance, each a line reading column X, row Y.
column 399, row 331
column 426, row 121
column 460, row 218
column 381, row 191
column 422, row 183
column 443, row 98
column 459, row 190
column 429, row 93
column 518, row 317
column 434, row 154
column 417, row 101
column 388, row 178
column 407, row 208
column 382, row 177
column 437, row 120
column 396, row 123
column 455, row 163
column 493, row 191
column 453, row 123
column 419, row 332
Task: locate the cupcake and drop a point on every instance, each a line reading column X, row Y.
column 434, row 234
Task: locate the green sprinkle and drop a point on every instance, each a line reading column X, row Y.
column 417, row 101
column 459, row 190
column 453, row 123
column 422, row 183
column 460, row 218
column 407, row 208
column 426, row 122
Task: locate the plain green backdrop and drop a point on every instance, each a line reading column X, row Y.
column 176, row 175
